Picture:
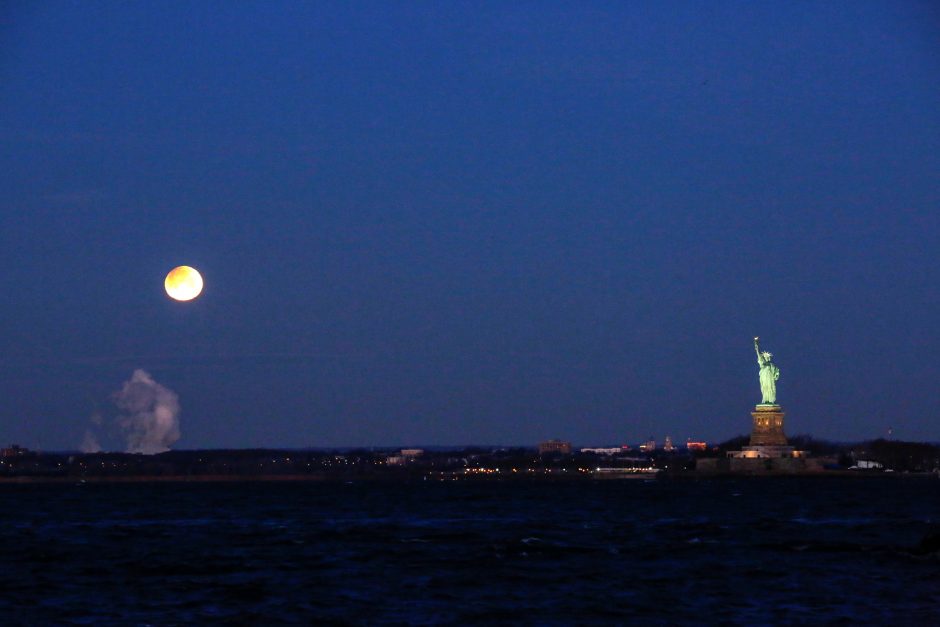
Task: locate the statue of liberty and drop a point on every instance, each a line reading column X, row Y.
column 769, row 373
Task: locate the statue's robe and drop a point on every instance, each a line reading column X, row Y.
column 769, row 373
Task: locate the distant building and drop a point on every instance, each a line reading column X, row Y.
column 696, row 446
column 603, row 451
column 406, row 455
column 555, row 446
column 648, row 446
column 667, row 445
column 13, row 450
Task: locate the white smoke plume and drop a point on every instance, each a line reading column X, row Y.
column 90, row 443
column 150, row 420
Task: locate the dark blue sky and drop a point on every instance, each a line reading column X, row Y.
column 446, row 223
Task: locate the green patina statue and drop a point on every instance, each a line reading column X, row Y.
column 769, row 373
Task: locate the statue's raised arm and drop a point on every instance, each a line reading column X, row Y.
column 760, row 358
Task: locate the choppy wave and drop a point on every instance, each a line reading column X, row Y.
column 757, row 551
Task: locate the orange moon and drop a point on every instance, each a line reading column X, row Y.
column 183, row 283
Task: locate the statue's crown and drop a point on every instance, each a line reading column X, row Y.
column 767, row 355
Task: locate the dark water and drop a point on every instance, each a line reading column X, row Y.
column 758, row 551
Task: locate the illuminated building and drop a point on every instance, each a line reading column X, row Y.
column 648, row 446
column 603, row 451
column 555, row 446
column 13, row 450
column 667, row 445
column 406, row 455
column 696, row 446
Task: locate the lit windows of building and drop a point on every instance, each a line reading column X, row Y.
column 603, row 451
column 555, row 446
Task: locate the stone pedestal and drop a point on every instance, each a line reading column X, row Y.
column 768, row 426
column 768, row 451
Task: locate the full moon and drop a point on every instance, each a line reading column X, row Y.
column 183, row 283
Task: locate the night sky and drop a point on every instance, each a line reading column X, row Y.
column 451, row 223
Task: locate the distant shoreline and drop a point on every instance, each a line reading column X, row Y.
column 167, row 479
column 311, row 478
column 876, row 459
